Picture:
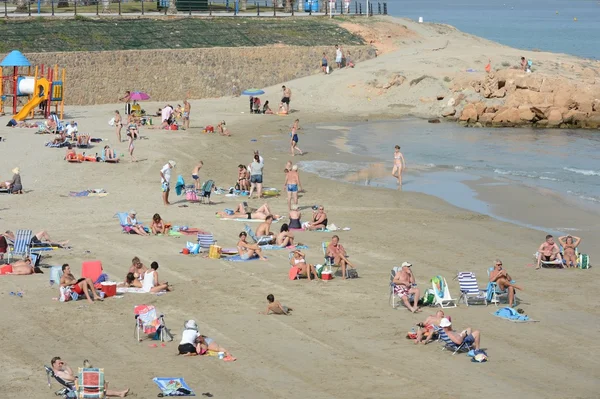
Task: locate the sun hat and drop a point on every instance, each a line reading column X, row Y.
column 132, row 212
column 445, row 322
column 16, row 170
column 172, row 163
column 295, row 167
column 191, row 325
column 406, row 264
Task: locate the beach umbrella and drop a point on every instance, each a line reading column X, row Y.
column 139, row 96
column 253, row 92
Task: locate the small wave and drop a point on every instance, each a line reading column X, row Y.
column 584, row 197
column 584, row 172
column 430, row 165
column 548, row 178
column 517, row 173
column 458, row 167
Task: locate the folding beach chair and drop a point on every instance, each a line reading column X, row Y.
column 67, row 391
column 205, row 191
column 551, row 264
column 469, row 289
column 394, row 298
column 205, row 240
column 149, row 322
column 441, row 293
column 330, row 261
column 449, row 344
column 262, row 240
column 90, row 383
column 21, row 246
column 494, row 294
column 59, row 125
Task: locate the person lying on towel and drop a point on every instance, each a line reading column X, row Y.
column 243, row 212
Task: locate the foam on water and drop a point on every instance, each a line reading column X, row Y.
column 583, row 171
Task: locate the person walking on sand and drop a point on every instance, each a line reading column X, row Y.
column 127, row 100
column 399, row 165
column 287, row 97
column 324, row 64
column 118, row 125
column 186, row 114
column 195, row 174
column 165, row 180
column 338, row 56
column 131, row 147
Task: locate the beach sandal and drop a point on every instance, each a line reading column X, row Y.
column 208, row 394
column 229, row 359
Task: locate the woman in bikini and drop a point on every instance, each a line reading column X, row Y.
column 118, row 125
column 299, row 260
column 131, row 147
column 284, row 238
column 569, row 243
column 399, row 165
column 158, row 226
column 243, row 178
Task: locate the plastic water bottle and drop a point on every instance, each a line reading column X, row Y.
column 221, row 355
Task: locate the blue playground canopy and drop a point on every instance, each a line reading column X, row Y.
column 15, row 59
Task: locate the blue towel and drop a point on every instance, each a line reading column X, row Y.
column 510, row 314
column 102, row 278
column 272, row 247
column 180, row 186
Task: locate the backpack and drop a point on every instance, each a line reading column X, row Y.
column 584, row 261
column 351, row 273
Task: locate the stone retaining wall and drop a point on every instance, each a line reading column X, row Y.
column 102, row 77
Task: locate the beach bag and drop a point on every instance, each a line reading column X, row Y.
column 111, row 122
column 67, row 294
column 584, row 261
column 193, row 247
column 174, row 127
column 214, row 252
column 351, row 273
column 191, row 196
column 428, row 298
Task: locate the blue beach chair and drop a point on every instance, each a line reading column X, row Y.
column 262, row 240
column 21, row 246
column 451, row 345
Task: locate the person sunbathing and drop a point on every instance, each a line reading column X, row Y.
column 108, row 154
column 158, row 226
column 501, row 277
column 151, row 282
column 242, row 212
column 133, row 226
column 319, row 220
column 78, row 286
column 22, row 267
column 63, row 371
column 264, row 229
column 405, row 286
column 248, row 251
column 284, row 238
column 267, row 109
column 205, row 344
column 243, row 178
column 548, row 251
column 222, row 129
column 275, row 307
column 569, row 244
column 132, row 281
column 137, row 268
column 39, row 239
column 467, row 336
column 71, row 154
column 295, row 216
column 426, row 329
column 338, row 255
column 299, row 260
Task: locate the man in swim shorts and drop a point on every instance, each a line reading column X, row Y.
column 504, row 281
column 287, row 96
column 467, row 336
column 264, row 229
column 165, row 180
column 548, row 251
column 79, row 286
column 195, row 174
column 405, row 286
column 186, row 114
column 292, row 181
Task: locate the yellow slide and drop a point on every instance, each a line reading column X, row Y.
column 36, row 99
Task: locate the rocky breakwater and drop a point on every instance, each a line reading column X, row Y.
column 512, row 97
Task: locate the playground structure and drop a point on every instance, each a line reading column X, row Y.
column 39, row 89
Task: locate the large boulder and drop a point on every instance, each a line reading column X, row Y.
column 507, row 116
column 469, row 113
column 526, row 114
column 480, row 108
column 448, row 111
column 554, row 117
column 500, row 93
column 486, row 118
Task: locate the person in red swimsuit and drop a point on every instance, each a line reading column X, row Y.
column 79, row 286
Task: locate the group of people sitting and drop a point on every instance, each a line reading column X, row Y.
column 439, row 325
column 550, row 252
column 139, row 276
column 157, row 226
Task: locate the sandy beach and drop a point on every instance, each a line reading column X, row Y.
column 343, row 339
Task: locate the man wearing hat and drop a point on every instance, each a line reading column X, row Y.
column 467, row 336
column 165, row 179
column 190, row 334
column 405, row 286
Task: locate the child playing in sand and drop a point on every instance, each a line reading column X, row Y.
column 222, row 129
column 195, row 174
column 275, row 307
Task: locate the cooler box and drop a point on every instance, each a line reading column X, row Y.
column 326, row 276
column 109, row 289
column 91, row 269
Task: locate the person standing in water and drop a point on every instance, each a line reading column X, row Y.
column 399, row 165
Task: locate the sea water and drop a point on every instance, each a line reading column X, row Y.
column 547, row 25
column 442, row 157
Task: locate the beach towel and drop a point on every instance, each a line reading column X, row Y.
column 512, row 315
column 438, row 282
column 238, row 258
column 173, row 386
column 275, row 247
column 180, row 186
column 98, row 192
column 134, row 290
column 251, row 220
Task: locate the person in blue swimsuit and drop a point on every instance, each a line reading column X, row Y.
column 294, row 136
column 324, row 63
